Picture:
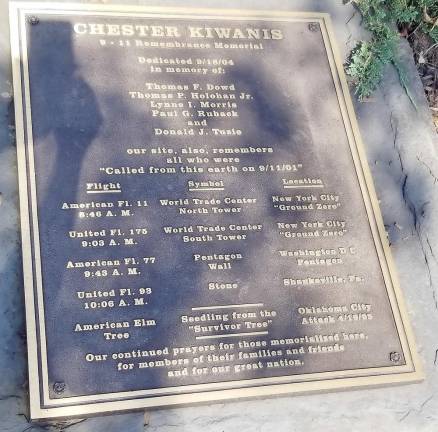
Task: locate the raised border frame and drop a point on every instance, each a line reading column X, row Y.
column 41, row 407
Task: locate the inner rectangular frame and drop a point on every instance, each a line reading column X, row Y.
column 41, row 404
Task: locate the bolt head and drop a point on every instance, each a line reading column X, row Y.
column 33, row 20
column 395, row 357
column 59, row 387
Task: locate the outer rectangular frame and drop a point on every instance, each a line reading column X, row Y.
column 40, row 406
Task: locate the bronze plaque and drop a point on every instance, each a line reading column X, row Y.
column 198, row 219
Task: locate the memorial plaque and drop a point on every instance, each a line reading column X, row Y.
column 198, row 219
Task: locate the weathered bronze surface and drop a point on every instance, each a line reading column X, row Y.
column 198, row 219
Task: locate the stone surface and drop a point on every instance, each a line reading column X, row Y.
column 401, row 149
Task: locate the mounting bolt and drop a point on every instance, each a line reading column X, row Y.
column 33, row 20
column 395, row 357
column 313, row 27
column 59, row 387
